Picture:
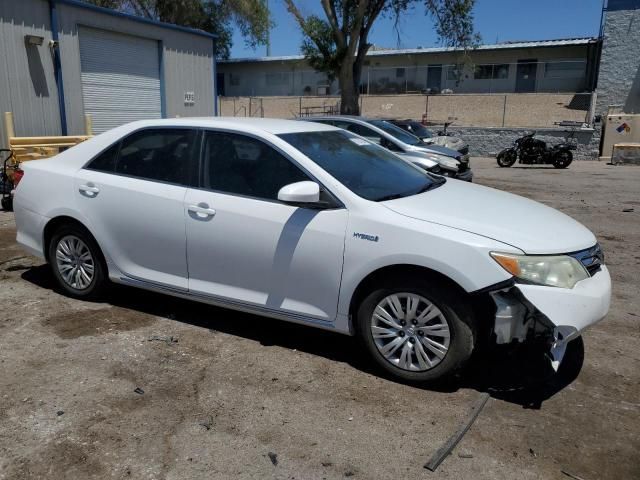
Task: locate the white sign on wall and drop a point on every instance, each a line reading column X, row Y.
column 189, row 98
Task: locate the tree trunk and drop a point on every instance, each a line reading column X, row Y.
column 348, row 93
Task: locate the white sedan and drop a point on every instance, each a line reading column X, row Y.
column 312, row 224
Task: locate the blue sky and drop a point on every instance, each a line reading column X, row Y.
column 494, row 19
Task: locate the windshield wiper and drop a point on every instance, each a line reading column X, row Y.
column 425, row 188
column 391, row 197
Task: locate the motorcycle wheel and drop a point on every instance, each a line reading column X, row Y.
column 562, row 159
column 506, row 158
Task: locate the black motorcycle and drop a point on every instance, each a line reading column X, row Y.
column 530, row 150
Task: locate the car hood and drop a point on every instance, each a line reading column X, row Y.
column 530, row 226
column 454, row 143
column 418, row 158
column 439, row 149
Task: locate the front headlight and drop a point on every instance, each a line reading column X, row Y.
column 446, row 162
column 555, row 271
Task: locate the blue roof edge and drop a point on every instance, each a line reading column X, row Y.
column 134, row 18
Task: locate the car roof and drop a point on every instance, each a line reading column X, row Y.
column 342, row 117
column 269, row 125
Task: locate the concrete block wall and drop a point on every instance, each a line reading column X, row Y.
column 489, row 141
column 619, row 76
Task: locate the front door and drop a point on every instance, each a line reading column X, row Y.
column 132, row 196
column 526, row 75
column 434, row 78
column 246, row 247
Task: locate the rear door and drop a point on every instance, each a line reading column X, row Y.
column 133, row 195
column 246, row 247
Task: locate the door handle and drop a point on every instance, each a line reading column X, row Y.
column 202, row 210
column 89, row 190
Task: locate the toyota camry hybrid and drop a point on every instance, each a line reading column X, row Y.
column 313, row 224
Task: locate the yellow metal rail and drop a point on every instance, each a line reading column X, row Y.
column 34, row 148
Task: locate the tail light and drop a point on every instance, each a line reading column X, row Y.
column 18, row 173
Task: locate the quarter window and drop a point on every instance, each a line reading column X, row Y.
column 242, row 165
column 158, row 154
column 106, row 161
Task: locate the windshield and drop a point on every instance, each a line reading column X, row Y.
column 420, row 130
column 397, row 132
column 368, row 170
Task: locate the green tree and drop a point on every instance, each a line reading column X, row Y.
column 337, row 45
column 251, row 17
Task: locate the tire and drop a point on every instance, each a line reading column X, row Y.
column 562, row 159
column 506, row 158
column 449, row 309
column 77, row 263
column 7, row 203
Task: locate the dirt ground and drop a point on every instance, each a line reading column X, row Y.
column 229, row 395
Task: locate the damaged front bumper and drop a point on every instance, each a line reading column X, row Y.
column 550, row 315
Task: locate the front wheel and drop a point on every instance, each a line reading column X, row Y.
column 562, row 159
column 506, row 158
column 416, row 330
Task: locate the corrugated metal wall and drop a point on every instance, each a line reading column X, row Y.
column 187, row 62
column 27, row 82
column 120, row 78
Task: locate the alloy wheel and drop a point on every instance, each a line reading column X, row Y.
column 410, row 332
column 75, row 262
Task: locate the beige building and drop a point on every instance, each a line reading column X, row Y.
column 556, row 66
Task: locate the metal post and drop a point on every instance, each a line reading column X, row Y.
column 504, row 109
column 57, row 65
column 214, row 79
column 8, row 125
column 426, row 109
column 368, row 84
column 88, row 125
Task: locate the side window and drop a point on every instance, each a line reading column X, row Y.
column 158, row 154
column 246, row 166
column 366, row 133
column 106, row 161
column 390, row 145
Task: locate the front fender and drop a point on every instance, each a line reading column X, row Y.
column 461, row 256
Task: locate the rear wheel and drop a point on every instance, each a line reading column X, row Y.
column 416, row 330
column 506, row 158
column 77, row 262
column 562, row 159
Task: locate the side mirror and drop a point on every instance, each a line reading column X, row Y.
column 300, row 193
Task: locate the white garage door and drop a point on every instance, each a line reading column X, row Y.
column 120, row 78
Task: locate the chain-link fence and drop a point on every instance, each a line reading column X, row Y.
column 474, row 110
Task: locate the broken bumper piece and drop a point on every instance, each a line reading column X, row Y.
column 551, row 315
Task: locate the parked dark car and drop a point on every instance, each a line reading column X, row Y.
column 432, row 138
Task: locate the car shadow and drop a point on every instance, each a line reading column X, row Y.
column 516, row 375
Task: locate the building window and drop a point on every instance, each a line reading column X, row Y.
column 234, row 79
column 565, row 69
column 491, row 71
column 454, row 72
column 400, row 72
column 277, row 79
